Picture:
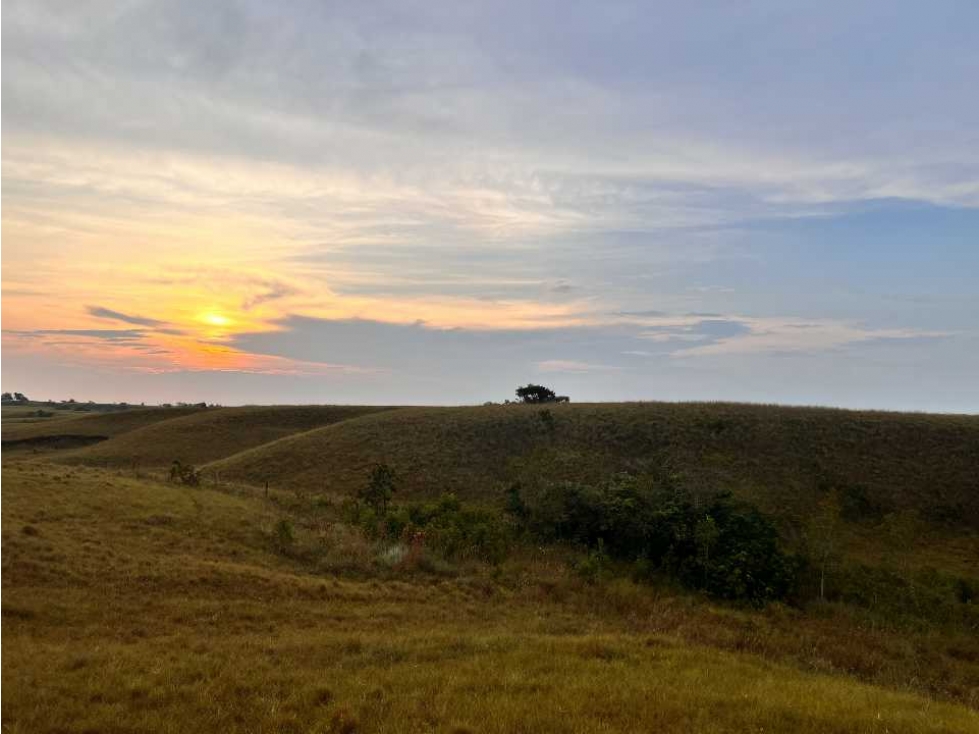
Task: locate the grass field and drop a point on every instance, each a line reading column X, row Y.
column 133, row 604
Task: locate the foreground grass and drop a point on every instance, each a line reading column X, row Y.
column 137, row 606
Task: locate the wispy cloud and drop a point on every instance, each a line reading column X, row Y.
column 106, row 313
column 629, row 193
column 269, row 291
column 117, row 335
column 774, row 335
column 570, row 365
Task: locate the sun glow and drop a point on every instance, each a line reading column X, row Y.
column 215, row 319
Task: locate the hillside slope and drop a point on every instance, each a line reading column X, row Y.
column 104, row 425
column 780, row 457
column 212, row 434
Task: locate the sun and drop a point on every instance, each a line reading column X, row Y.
column 215, row 319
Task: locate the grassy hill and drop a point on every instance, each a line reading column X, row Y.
column 781, row 458
column 211, row 434
column 133, row 605
column 19, row 426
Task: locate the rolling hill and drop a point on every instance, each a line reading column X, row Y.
column 779, row 457
column 211, row 434
column 97, row 426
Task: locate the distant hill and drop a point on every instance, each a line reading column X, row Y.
column 780, row 457
column 211, row 434
column 65, row 423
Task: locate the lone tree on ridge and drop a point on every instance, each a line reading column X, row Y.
column 539, row 394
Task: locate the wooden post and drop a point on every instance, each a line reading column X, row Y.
column 266, row 487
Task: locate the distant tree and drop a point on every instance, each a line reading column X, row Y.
column 536, row 394
column 6, row 397
column 380, row 488
column 20, row 397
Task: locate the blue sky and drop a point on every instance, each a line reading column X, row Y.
column 434, row 202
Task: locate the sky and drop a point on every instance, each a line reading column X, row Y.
column 435, row 202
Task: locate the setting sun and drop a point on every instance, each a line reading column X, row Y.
column 215, row 319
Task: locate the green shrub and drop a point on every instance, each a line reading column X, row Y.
column 446, row 526
column 728, row 549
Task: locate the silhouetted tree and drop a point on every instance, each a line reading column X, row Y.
column 536, row 394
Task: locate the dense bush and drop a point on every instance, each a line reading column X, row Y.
column 723, row 547
column 447, row 527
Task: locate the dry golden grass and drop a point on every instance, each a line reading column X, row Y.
column 131, row 605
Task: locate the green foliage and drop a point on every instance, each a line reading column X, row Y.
column 447, row 527
column 728, row 549
column 380, row 488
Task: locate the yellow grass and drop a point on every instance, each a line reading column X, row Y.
column 131, row 605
